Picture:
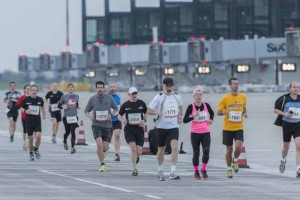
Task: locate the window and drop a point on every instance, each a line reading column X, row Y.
column 119, row 29
column 91, row 30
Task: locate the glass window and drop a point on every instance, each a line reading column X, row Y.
column 91, row 30
column 145, row 20
column 119, row 29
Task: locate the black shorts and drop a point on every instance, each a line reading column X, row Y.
column 163, row 134
column 56, row 115
column 33, row 126
column 104, row 133
column 228, row 136
column 289, row 130
column 116, row 125
column 14, row 114
column 134, row 134
column 24, row 125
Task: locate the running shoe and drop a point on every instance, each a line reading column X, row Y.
column 66, row 146
column 161, row 176
column 235, row 166
column 25, row 146
column 282, row 166
column 135, row 172
column 53, row 139
column 197, row 175
column 298, row 173
column 229, row 173
column 11, row 138
column 137, row 160
column 31, row 157
column 73, row 150
column 103, row 168
column 37, row 154
column 117, row 158
column 174, row 176
column 204, row 174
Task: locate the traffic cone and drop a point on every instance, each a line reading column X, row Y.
column 81, row 137
column 242, row 161
column 146, row 147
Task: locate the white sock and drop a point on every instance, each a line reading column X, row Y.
column 229, row 168
column 160, row 168
column 298, row 167
column 235, row 159
column 173, row 168
column 283, row 160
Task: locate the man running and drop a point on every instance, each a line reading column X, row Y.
column 168, row 106
column 23, row 115
column 134, row 121
column 52, row 98
column 99, row 111
column 289, row 107
column 116, row 124
column 201, row 115
column 70, row 103
column 32, row 106
column 12, row 109
column 233, row 108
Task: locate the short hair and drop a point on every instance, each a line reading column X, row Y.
column 34, row 86
column 12, row 82
column 291, row 83
column 70, row 84
column 232, row 79
column 99, row 83
column 25, row 86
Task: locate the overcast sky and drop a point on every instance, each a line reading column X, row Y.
column 35, row 26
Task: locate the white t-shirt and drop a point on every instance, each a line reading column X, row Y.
column 170, row 109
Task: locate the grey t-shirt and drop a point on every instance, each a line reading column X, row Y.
column 101, row 107
column 72, row 102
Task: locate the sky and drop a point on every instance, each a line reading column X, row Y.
column 32, row 27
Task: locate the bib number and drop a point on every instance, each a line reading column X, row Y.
column 54, row 107
column 171, row 111
column 134, row 118
column 296, row 113
column 34, row 110
column 203, row 116
column 72, row 120
column 235, row 116
column 101, row 115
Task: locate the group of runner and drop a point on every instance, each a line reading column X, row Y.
column 108, row 115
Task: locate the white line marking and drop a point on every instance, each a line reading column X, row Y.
column 99, row 184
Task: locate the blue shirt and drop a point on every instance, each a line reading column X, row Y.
column 117, row 99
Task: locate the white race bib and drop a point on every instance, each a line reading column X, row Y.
column 171, row 111
column 203, row 116
column 34, row 110
column 54, row 107
column 235, row 116
column 72, row 120
column 134, row 118
column 296, row 112
column 102, row 115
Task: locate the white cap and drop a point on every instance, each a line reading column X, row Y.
column 132, row 90
column 197, row 90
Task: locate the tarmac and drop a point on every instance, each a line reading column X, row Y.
column 61, row 175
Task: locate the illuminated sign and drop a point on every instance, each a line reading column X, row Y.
column 242, row 68
column 203, row 70
column 90, row 74
column 288, row 67
column 139, row 72
column 169, row 71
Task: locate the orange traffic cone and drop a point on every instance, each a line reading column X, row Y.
column 81, row 137
column 242, row 161
column 146, row 147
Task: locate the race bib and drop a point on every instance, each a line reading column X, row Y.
column 54, row 107
column 34, row 110
column 235, row 116
column 171, row 111
column 72, row 120
column 101, row 115
column 296, row 112
column 203, row 116
column 134, row 118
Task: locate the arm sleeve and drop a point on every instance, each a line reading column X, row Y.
column 88, row 107
column 154, row 104
column 121, row 111
column 278, row 103
column 211, row 112
column 188, row 112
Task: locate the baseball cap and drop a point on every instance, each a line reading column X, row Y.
column 168, row 81
column 132, row 90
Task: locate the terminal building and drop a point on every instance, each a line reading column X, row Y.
column 199, row 42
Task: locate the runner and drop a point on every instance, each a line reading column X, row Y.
column 201, row 115
column 233, row 107
column 289, row 107
column 12, row 109
column 69, row 102
column 52, row 98
column 32, row 106
column 99, row 111
column 168, row 106
column 134, row 121
column 23, row 115
column 116, row 124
